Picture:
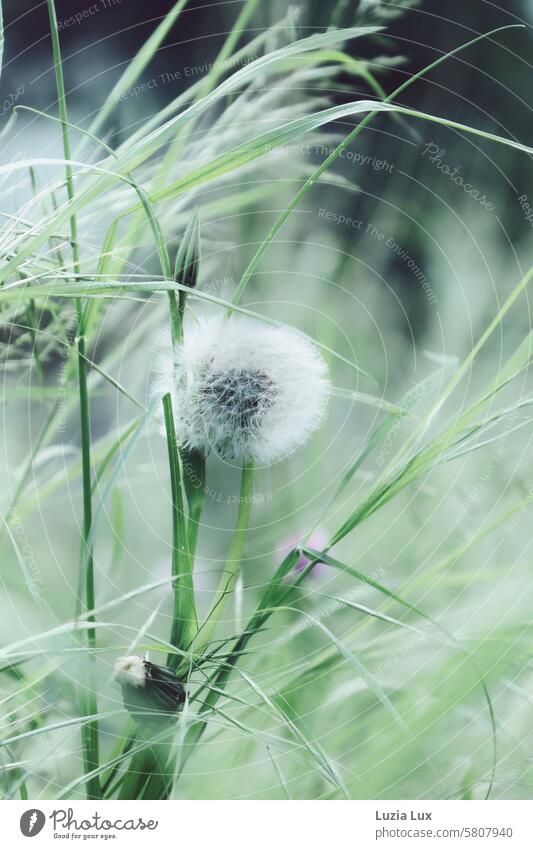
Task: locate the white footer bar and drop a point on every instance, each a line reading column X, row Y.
column 269, row 825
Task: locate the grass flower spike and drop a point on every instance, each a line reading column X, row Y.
column 245, row 390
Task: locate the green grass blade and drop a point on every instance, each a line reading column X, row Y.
column 89, row 700
column 137, row 65
column 184, row 622
column 233, row 563
column 186, row 271
column 309, row 183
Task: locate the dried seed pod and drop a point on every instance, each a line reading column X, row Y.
column 152, row 694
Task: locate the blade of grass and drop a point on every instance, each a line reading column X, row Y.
column 324, row 557
column 186, row 270
column 254, row 262
column 137, row 65
column 233, row 563
column 89, row 700
column 133, row 153
column 210, row 80
column 92, row 289
column 184, row 619
column 279, row 773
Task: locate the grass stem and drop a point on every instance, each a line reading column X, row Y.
column 89, row 700
column 184, row 622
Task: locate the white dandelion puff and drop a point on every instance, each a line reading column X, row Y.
column 131, row 671
column 245, row 390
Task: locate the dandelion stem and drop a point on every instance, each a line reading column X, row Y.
column 89, row 701
column 233, row 562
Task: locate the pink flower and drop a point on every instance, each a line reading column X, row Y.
column 318, row 540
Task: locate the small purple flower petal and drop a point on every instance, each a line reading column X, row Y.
column 317, row 540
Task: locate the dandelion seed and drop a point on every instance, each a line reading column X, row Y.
column 245, row 390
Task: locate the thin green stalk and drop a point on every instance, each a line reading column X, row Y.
column 88, row 700
column 274, row 594
column 186, row 269
column 233, row 562
column 33, row 323
column 184, row 621
column 137, row 65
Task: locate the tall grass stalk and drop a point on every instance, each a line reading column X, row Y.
column 184, row 621
column 89, row 699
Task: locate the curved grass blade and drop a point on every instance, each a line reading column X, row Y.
column 324, row 557
column 338, row 150
column 137, row 65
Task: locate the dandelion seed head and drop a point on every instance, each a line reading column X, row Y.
column 130, row 671
column 244, row 389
